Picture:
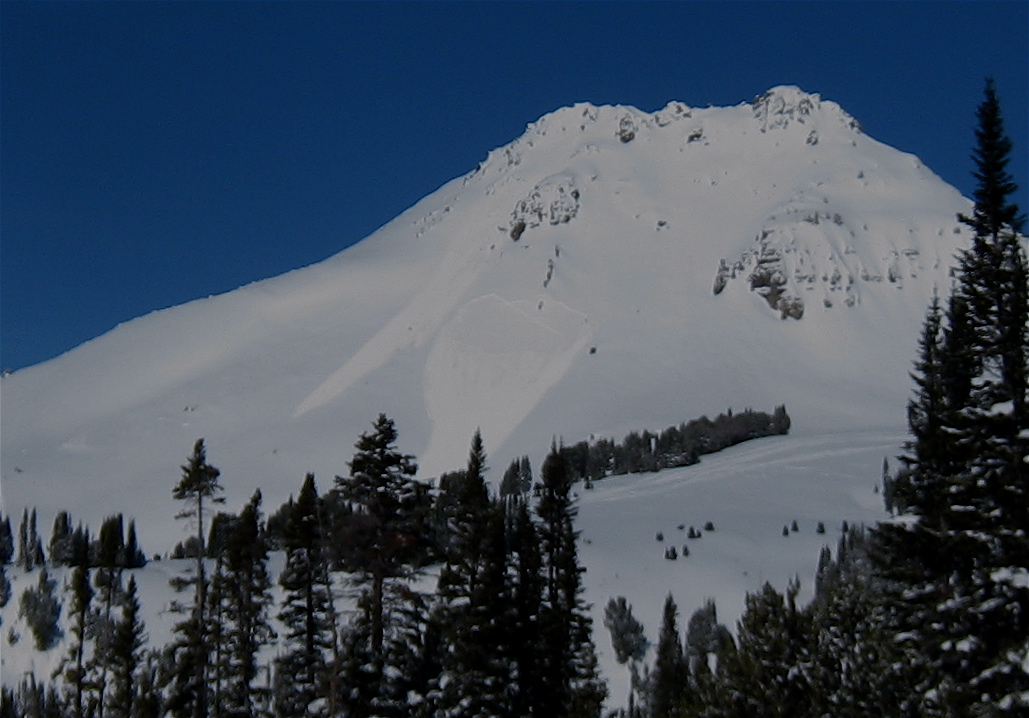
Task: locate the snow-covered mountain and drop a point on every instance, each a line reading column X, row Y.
column 609, row 270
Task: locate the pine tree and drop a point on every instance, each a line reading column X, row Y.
column 769, row 673
column 189, row 695
column 134, row 556
column 668, row 684
column 108, row 554
column 23, row 540
column 73, row 668
column 6, row 541
column 918, row 487
column 393, row 511
column 41, row 609
column 958, row 570
column 301, row 670
column 244, row 587
column 570, row 683
column 992, row 280
column 472, row 592
column 35, row 545
column 628, row 641
column 30, row 547
column 526, row 579
column 60, row 540
column 127, row 645
column 5, row 587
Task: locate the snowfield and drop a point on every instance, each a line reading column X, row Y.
column 749, row 492
column 610, row 270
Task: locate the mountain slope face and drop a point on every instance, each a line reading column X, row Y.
column 609, row 270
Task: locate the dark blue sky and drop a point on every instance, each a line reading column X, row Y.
column 154, row 153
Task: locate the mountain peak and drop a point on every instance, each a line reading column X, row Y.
column 786, row 104
column 610, row 270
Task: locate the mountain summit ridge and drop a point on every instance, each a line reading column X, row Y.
column 608, row 270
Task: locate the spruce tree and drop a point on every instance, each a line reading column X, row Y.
column 627, row 640
column 526, row 577
column 30, row 547
column 918, row 488
column 244, row 587
column 393, row 511
column 73, row 667
column 5, row 587
column 127, row 646
column 769, row 673
column 41, row 609
column 570, row 683
column 103, row 621
column 301, row 669
column 668, row 684
column 471, row 592
column 134, row 556
column 958, row 597
column 35, row 546
column 992, row 280
column 189, row 695
column 60, row 540
column 6, row 541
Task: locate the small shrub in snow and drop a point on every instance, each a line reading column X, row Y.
column 671, row 554
column 709, row 526
column 660, row 536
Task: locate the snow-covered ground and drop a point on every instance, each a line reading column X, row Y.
column 749, row 493
column 610, row 270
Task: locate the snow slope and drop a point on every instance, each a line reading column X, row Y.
column 566, row 286
column 748, row 492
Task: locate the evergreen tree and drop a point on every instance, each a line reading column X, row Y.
column 6, row 541
column 41, row 609
column 706, row 638
column 393, row 511
column 73, row 668
column 570, row 683
column 5, row 587
column 108, row 553
column 60, row 540
column 768, row 674
column 30, row 547
column 526, row 579
column 958, row 595
column 862, row 660
column 244, row 586
column 628, row 641
column 668, row 684
column 992, row 280
column 472, row 594
column 127, row 656
column 919, row 487
column 134, row 556
column 23, row 559
column 301, row 670
column 189, row 695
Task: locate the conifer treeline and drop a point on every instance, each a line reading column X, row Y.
column 681, row 445
column 505, row 632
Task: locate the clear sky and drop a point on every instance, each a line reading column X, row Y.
column 153, row 153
